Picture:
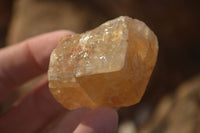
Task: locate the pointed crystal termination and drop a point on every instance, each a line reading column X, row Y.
column 108, row 66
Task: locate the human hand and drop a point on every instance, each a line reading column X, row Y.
column 26, row 60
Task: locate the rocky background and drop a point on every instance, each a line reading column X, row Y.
column 171, row 103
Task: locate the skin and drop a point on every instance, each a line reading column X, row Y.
column 37, row 110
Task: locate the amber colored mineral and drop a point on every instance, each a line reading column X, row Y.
column 107, row 66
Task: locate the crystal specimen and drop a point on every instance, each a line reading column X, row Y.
column 108, row 66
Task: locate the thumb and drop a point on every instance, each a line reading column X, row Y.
column 100, row 120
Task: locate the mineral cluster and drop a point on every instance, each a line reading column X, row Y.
column 107, row 66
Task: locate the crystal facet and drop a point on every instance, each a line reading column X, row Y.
column 107, row 66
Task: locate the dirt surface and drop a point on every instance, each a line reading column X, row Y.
column 178, row 112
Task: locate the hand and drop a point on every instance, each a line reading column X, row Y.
column 26, row 60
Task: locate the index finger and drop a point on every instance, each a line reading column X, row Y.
column 23, row 61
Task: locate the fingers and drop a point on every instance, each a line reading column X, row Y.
column 21, row 62
column 100, row 120
column 70, row 121
column 33, row 113
column 38, row 108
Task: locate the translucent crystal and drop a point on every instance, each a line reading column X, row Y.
column 107, row 66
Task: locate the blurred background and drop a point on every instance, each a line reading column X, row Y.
column 171, row 103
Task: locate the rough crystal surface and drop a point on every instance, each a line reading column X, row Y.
column 107, row 66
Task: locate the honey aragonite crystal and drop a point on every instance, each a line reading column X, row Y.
column 107, row 66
